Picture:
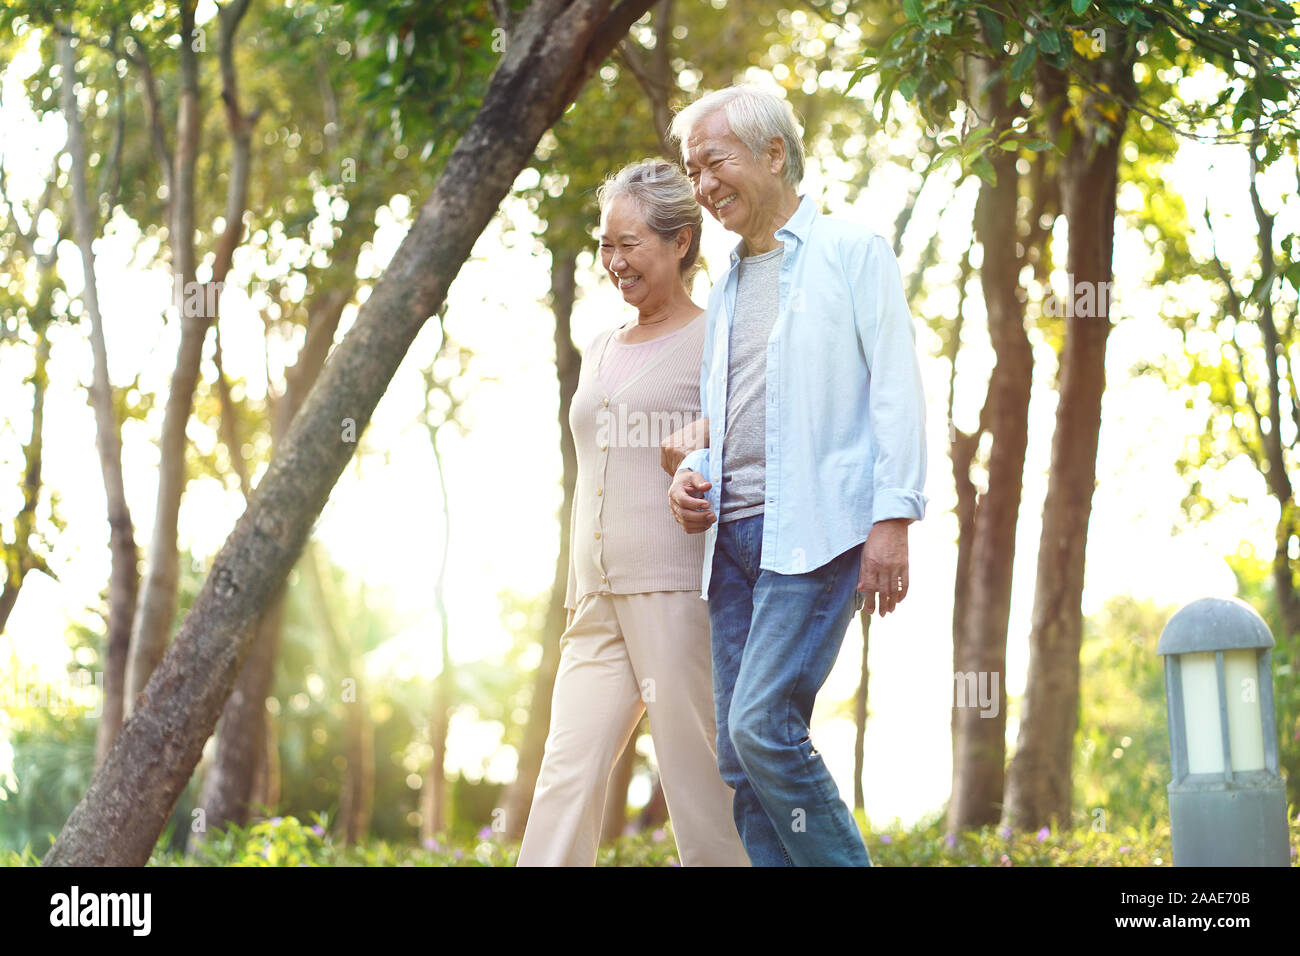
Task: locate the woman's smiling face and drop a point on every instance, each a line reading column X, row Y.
column 640, row 264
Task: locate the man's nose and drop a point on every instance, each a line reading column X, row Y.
column 708, row 182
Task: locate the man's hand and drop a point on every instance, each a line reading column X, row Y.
column 689, row 506
column 681, row 442
column 884, row 565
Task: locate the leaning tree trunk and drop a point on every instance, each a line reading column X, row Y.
column 157, row 607
column 980, row 638
column 239, row 778
column 519, row 796
column 555, row 47
column 1039, row 782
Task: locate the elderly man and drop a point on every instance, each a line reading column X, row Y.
column 815, row 445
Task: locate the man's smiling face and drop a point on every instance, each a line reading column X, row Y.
column 739, row 191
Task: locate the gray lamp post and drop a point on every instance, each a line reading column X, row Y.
column 1227, row 800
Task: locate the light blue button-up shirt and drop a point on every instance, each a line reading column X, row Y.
column 845, row 436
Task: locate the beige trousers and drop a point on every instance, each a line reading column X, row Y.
column 625, row 653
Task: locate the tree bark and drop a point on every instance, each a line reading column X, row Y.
column 20, row 559
column 124, row 575
column 860, row 717
column 989, row 519
column 615, row 818
column 157, row 606
column 433, row 803
column 241, row 772
column 1039, row 783
column 519, row 796
column 556, row 46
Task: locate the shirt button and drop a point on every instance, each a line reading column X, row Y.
column 602, row 446
column 607, row 403
column 597, row 534
column 603, row 578
column 600, row 491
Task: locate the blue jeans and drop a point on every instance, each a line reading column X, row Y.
column 775, row 638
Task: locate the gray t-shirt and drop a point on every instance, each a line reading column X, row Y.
column 743, row 460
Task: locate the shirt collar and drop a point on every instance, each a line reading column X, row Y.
column 796, row 226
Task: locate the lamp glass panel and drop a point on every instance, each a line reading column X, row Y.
column 1245, row 725
column 1201, row 712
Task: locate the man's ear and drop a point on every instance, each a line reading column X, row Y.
column 776, row 153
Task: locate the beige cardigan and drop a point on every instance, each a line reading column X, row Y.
column 622, row 536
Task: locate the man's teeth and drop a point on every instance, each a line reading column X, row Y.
column 726, row 202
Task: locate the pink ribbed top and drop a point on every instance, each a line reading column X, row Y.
column 623, row 539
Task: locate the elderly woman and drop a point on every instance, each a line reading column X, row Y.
column 638, row 632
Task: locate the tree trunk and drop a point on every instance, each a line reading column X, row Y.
column 157, row 606
column 615, row 818
column 241, row 769
column 519, row 797
column 1038, row 786
column 20, row 559
column 555, row 47
column 655, row 812
column 124, row 575
column 433, row 816
column 860, row 718
column 980, row 637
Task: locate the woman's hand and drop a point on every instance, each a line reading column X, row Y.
column 681, row 442
column 686, row 499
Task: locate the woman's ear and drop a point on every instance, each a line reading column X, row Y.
column 682, row 244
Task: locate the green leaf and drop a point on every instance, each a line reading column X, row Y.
column 1292, row 274
column 942, row 27
column 912, row 9
column 992, row 25
column 984, row 170
column 1023, row 61
column 1050, row 41
column 1078, row 6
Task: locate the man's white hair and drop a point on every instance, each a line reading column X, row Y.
column 755, row 116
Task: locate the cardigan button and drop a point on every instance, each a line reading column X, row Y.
column 597, row 534
column 600, row 491
column 607, row 403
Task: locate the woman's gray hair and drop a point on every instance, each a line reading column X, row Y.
column 755, row 116
column 666, row 200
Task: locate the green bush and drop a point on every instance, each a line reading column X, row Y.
column 285, row 841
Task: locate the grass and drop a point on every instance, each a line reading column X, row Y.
column 286, row 841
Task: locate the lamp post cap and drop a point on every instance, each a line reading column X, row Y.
column 1214, row 624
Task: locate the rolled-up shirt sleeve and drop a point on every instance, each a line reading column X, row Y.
column 896, row 403
column 697, row 460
